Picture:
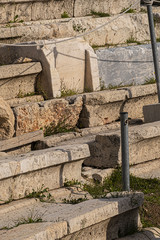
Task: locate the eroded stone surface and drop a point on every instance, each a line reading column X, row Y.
column 103, row 107
column 144, row 143
column 34, row 116
column 6, row 120
column 147, row 233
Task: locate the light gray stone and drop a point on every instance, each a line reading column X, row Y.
column 151, row 233
column 32, row 10
column 64, row 65
column 143, row 146
column 36, row 231
column 147, row 170
column 12, row 166
column 117, row 32
column 126, row 65
column 103, row 107
column 151, row 113
column 18, row 79
column 77, row 216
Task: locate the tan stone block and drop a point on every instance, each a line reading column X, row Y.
column 144, row 142
column 7, row 120
column 34, row 116
column 36, row 231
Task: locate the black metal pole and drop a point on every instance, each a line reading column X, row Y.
column 125, row 151
column 154, row 47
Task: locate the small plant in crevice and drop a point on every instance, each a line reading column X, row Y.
column 143, row 10
column 151, row 80
column 22, row 95
column 99, row 14
column 133, row 40
column 28, row 220
column 15, row 20
column 60, row 127
column 71, row 183
column 74, row 200
column 64, row 15
column 78, row 28
column 42, row 194
column 131, row 10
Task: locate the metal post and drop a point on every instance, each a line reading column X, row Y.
column 125, row 151
column 154, row 44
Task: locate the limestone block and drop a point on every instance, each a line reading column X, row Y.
column 144, row 142
column 7, row 120
column 126, row 65
column 59, row 112
column 32, row 10
column 111, row 216
column 146, row 170
column 147, row 233
column 104, row 107
column 151, row 113
column 18, row 79
column 36, row 231
column 64, row 65
column 116, row 32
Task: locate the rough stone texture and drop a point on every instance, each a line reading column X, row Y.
column 82, row 215
column 144, row 143
column 151, row 113
column 147, row 170
column 60, row 112
column 51, row 167
column 36, row 231
column 69, row 193
column 35, row 160
column 7, row 120
column 126, row 65
column 18, row 79
column 17, row 101
column 103, row 107
column 116, row 32
column 65, row 66
column 147, row 233
column 31, row 10
column 96, row 174
column 81, row 136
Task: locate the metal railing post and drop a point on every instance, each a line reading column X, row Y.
column 154, row 44
column 125, row 151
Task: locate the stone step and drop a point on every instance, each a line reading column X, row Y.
column 33, row 10
column 92, row 219
column 18, row 80
column 148, row 233
column 129, row 28
column 50, row 168
column 89, row 109
column 144, row 141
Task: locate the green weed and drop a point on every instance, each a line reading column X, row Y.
column 150, row 188
column 68, row 92
column 42, row 194
column 78, row 28
column 60, row 127
column 64, row 15
column 22, row 95
column 133, row 40
column 71, row 183
column 74, row 201
column 150, row 81
column 99, row 14
column 129, row 11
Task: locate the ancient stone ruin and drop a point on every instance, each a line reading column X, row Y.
column 67, row 70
